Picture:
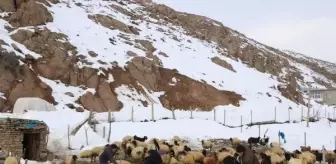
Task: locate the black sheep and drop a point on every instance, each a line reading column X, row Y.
column 176, row 143
column 156, row 144
column 288, row 156
column 204, row 152
column 264, row 141
column 143, row 139
column 186, row 148
column 230, row 160
column 319, row 156
column 253, row 140
column 265, row 159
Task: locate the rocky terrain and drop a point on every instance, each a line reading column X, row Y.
column 104, row 45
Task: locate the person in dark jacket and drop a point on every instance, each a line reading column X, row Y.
column 108, row 154
column 246, row 155
column 153, row 157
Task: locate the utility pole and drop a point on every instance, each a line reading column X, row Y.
column 309, row 97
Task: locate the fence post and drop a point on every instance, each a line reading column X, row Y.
column 132, row 114
column 104, row 132
column 191, row 114
column 324, row 154
column 173, row 113
column 305, row 139
column 86, row 135
column 259, row 129
column 325, row 112
column 275, row 114
column 335, row 142
column 214, row 114
column 334, row 114
column 251, row 118
column 224, row 116
column 241, row 124
column 153, row 112
column 69, row 146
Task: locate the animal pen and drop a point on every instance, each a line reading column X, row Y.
column 24, row 138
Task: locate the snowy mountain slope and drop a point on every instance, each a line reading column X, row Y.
column 99, row 55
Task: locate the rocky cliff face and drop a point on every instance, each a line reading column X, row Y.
column 34, row 49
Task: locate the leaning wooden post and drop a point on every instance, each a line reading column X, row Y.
column 191, row 114
column 259, row 129
column 132, row 114
column 110, row 122
column 153, row 112
column 241, row 124
column 69, row 146
column 86, row 136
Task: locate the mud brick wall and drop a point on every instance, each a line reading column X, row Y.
column 11, row 138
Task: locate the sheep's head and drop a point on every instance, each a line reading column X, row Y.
column 145, row 137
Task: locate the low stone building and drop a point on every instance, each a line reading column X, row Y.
column 24, row 138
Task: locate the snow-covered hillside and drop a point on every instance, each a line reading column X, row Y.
column 103, row 55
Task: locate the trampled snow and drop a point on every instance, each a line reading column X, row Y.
column 254, row 86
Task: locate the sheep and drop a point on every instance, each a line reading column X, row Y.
column 138, row 153
column 123, row 162
column 95, row 151
column 330, row 156
column 295, row 161
column 177, row 138
column 185, row 158
column 319, row 155
column 265, row 159
column 210, row 160
column 85, row 154
column 264, row 141
column 304, row 148
column 228, row 149
column 168, row 159
column 275, row 144
column 161, row 146
column 234, row 141
column 139, row 143
column 207, row 144
column 11, row 160
column 253, row 140
column 307, row 157
column 118, row 143
column 127, row 139
column 129, row 147
column 221, row 156
column 277, row 150
column 143, row 139
column 275, row 158
column 71, row 160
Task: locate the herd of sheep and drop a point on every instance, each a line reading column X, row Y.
column 132, row 149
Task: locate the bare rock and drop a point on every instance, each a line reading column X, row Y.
column 31, row 86
column 92, row 54
column 69, row 94
column 113, row 24
column 163, row 54
column 30, row 13
column 91, row 102
column 2, row 104
column 108, row 97
column 146, row 44
column 79, row 109
column 131, row 54
column 222, row 63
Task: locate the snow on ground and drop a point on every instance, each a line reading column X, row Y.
column 86, row 35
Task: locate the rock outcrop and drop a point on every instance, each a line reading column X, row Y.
column 20, row 81
column 113, row 24
column 222, row 63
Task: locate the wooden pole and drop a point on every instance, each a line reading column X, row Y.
column 69, row 146
column 110, row 122
column 324, row 154
column 308, row 112
column 275, row 114
column 191, row 114
column 259, row 129
column 153, row 112
column 173, row 113
column 224, row 116
column 104, row 131
column 279, row 139
column 335, row 142
column 334, row 114
column 86, row 136
column 214, row 114
column 325, row 112
column 305, row 139
column 251, row 117
column 241, row 124
column 132, row 114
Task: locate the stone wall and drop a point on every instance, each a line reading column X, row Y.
column 12, row 133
